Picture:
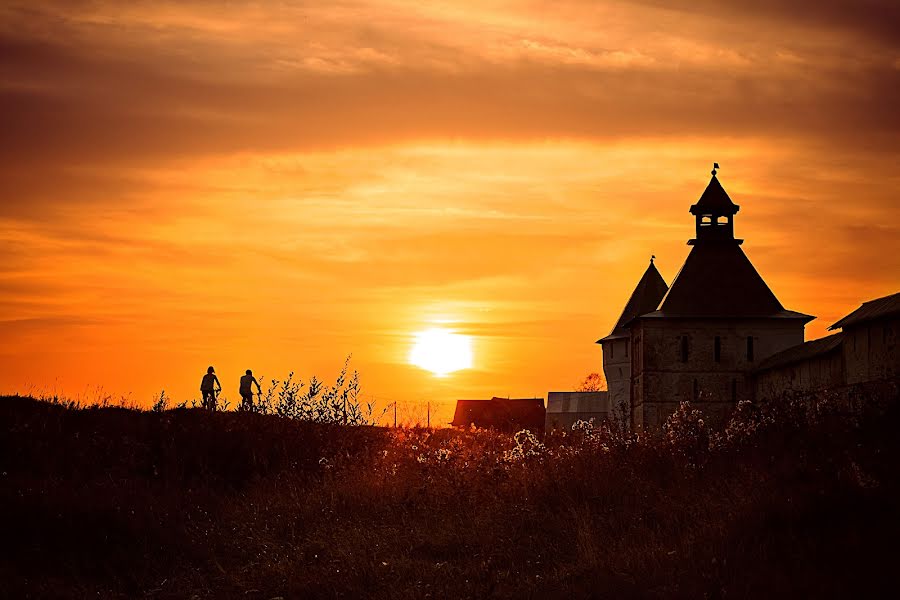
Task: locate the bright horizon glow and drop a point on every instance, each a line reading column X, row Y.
column 441, row 351
column 276, row 186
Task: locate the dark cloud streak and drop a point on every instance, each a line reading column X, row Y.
column 123, row 111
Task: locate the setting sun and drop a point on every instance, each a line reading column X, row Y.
column 441, row 351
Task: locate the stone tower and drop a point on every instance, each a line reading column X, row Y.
column 617, row 345
column 715, row 323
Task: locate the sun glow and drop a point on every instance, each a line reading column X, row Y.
column 441, row 351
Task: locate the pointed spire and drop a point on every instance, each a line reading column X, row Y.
column 644, row 299
column 714, row 200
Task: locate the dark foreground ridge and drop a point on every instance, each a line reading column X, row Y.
column 114, row 503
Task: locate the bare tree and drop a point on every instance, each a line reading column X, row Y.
column 594, row 382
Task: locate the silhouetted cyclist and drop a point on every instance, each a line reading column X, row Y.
column 209, row 387
column 247, row 382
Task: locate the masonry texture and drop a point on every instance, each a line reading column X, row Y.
column 860, row 363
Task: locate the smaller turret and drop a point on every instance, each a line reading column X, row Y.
column 714, row 212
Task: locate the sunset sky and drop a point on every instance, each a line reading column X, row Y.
column 276, row 185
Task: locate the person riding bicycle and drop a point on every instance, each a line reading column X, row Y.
column 209, row 387
column 247, row 381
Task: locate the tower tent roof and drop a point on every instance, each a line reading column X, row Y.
column 718, row 280
column 714, row 200
column 645, row 298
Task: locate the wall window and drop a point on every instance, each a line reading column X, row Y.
column 684, row 348
column 626, row 348
column 612, row 349
column 717, row 348
column 734, row 390
column 750, row 348
column 638, row 361
column 696, row 390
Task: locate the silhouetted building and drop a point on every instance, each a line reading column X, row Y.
column 709, row 330
column 503, row 414
column 864, row 358
column 617, row 345
column 564, row 409
column 870, row 341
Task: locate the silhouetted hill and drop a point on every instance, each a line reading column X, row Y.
column 111, row 503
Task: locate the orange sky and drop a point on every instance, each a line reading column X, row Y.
column 278, row 185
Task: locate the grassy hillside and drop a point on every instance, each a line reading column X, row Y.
column 110, row 502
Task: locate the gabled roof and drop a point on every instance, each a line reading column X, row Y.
column 714, row 200
column 801, row 352
column 871, row 310
column 500, row 413
column 718, row 280
column 645, row 298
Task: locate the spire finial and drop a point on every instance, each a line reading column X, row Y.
column 652, row 258
column 715, row 168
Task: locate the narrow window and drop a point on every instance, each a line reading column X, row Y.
column 734, row 390
column 684, row 348
column 750, row 348
column 696, row 390
column 717, row 348
column 612, row 350
column 626, row 348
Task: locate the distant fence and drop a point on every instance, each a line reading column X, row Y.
column 411, row 413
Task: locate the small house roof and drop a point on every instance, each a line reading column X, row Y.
column 871, row 310
column 802, row 352
column 499, row 412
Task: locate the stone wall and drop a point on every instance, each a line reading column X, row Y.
column 617, row 369
column 821, row 372
column 868, row 354
column 675, row 360
column 871, row 352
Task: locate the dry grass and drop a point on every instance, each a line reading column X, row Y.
column 111, row 502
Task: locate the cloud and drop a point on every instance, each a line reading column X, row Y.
column 163, row 83
column 868, row 20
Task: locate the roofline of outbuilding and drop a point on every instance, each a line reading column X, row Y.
column 802, row 352
column 870, row 310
